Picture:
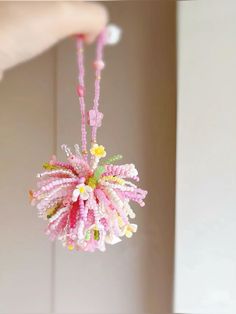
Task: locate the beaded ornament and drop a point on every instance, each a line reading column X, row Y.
column 86, row 199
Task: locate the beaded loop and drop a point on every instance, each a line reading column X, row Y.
column 98, row 69
column 80, row 91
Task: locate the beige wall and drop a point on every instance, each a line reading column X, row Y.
column 206, row 168
column 138, row 99
column 26, row 139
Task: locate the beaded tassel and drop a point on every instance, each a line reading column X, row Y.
column 86, row 200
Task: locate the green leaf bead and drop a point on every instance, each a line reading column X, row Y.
column 48, row 166
column 87, row 236
column 112, row 159
column 98, row 172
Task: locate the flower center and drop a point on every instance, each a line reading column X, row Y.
column 82, row 189
column 99, row 151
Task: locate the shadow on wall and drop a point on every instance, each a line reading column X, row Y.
column 146, row 79
column 138, row 98
column 160, row 143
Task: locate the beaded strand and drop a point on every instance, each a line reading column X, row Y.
column 94, row 116
column 98, row 66
column 81, row 92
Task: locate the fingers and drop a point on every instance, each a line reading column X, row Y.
column 86, row 18
column 29, row 28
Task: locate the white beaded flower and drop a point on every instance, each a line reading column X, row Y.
column 82, row 191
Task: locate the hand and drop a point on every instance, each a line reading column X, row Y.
column 27, row 29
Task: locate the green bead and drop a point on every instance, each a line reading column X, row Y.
column 98, row 172
column 87, row 236
column 96, row 235
column 48, row 166
column 112, row 159
column 92, row 182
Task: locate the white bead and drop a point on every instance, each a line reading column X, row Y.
column 113, row 34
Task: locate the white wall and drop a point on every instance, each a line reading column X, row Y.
column 40, row 111
column 205, row 271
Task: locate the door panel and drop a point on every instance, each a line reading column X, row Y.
column 26, row 139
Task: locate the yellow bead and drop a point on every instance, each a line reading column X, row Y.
column 51, row 211
column 96, row 234
column 92, row 182
column 70, row 247
column 120, row 221
column 128, row 234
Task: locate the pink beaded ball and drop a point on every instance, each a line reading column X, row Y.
column 86, row 203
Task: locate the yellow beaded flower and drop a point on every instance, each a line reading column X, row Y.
column 98, row 151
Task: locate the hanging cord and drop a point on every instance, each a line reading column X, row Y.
column 81, row 92
column 99, row 66
column 110, row 35
column 94, row 116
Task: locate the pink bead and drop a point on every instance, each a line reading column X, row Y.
column 81, row 180
column 99, row 65
column 80, row 91
column 95, row 118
